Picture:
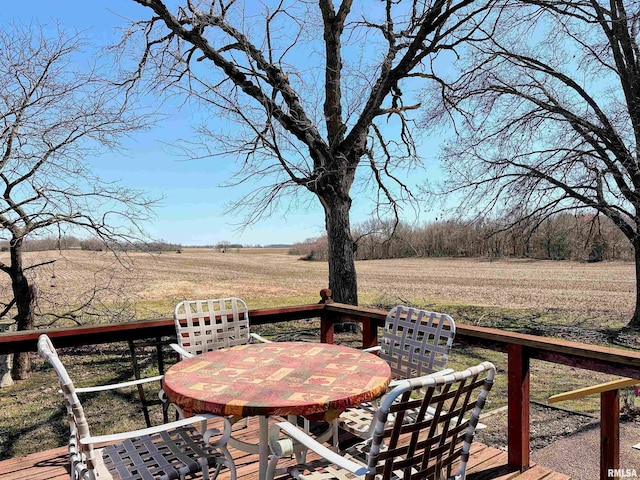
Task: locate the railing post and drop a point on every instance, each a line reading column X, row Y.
column 369, row 332
column 326, row 327
column 609, row 432
column 518, row 409
column 326, row 320
column 6, row 360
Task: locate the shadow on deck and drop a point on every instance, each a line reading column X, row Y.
column 485, row 463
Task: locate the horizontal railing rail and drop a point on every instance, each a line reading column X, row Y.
column 615, row 361
column 26, row 341
column 520, row 349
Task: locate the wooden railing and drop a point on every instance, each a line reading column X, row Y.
column 144, row 329
column 520, row 350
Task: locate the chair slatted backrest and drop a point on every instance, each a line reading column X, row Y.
column 205, row 325
column 416, row 342
column 82, row 457
column 421, row 444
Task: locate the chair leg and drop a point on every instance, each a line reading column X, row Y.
column 336, row 434
column 271, row 469
column 230, row 462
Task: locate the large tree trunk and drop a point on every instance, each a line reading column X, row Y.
column 342, row 267
column 635, row 321
column 24, row 296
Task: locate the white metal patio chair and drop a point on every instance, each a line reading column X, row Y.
column 407, row 442
column 171, row 451
column 205, row 325
column 415, row 343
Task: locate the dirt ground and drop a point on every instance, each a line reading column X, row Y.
column 269, row 279
column 565, row 441
column 578, row 455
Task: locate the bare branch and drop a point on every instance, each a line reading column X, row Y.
column 55, row 111
column 308, row 86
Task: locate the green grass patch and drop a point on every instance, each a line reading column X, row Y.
column 164, row 308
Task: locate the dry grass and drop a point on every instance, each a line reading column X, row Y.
column 512, row 284
column 271, row 277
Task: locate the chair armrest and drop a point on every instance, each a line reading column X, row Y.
column 375, row 348
column 259, row 338
column 440, row 373
column 162, row 428
column 113, row 386
column 183, row 353
column 281, row 447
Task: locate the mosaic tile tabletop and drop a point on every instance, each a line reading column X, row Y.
column 315, row 380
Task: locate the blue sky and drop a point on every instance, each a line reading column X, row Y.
column 192, row 211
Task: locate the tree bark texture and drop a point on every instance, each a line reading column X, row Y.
column 342, row 269
column 24, row 295
column 635, row 320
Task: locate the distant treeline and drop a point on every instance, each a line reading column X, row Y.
column 92, row 244
column 562, row 237
column 69, row 242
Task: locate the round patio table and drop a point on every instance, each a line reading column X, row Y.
column 314, row 380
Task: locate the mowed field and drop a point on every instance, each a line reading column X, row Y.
column 271, row 277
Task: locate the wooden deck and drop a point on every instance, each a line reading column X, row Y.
column 486, row 463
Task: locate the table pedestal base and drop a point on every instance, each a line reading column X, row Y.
column 262, row 448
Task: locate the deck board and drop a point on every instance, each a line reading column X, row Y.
column 485, row 463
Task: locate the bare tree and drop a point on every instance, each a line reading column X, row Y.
column 316, row 91
column 55, row 112
column 549, row 115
